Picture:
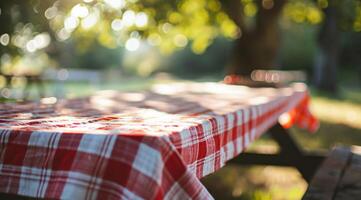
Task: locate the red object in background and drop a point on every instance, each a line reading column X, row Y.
column 301, row 116
column 232, row 79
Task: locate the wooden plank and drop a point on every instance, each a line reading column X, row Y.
column 324, row 184
column 289, row 155
column 15, row 197
column 289, row 149
column 350, row 184
column 249, row 158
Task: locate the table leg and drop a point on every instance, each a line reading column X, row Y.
column 289, row 155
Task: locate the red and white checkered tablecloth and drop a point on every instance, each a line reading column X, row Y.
column 148, row 145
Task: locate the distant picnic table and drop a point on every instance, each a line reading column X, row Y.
column 34, row 80
column 56, row 76
column 155, row 144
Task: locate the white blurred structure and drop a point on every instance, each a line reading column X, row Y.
column 60, row 76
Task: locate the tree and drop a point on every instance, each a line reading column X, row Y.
column 329, row 51
column 338, row 16
column 172, row 25
column 258, row 45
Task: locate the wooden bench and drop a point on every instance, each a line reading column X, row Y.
column 339, row 176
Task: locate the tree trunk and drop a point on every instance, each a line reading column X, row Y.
column 325, row 74
column 257, row 48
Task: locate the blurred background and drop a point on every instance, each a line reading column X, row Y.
column 71, row 48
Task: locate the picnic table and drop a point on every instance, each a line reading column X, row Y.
column 155, row 144
column 31, row 80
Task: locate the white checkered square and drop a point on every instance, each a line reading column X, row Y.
column 176, row 192
column 238, row 143
column 239, row 118
column 149, row 162
column 185, row 135
column 30, row 185
column 220, row 122
column 230, row 121
column 97, row 144
column 74, row 189
column 230, row 150
column 44, row 139
column 208, row 166
column 207, row 128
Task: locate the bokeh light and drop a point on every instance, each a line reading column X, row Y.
column 132, row 44
column 79, row 11
column 5, row 39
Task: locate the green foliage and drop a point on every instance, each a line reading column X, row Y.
column 303, row 12
column 99, row 56
column 298, row 47
column 347, row 13
column 350, row 55
column 186, row 64
column 168, row 25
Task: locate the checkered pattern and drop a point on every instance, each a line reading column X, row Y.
column 149, row 145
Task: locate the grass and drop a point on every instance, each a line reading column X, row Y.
column 78, row 89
